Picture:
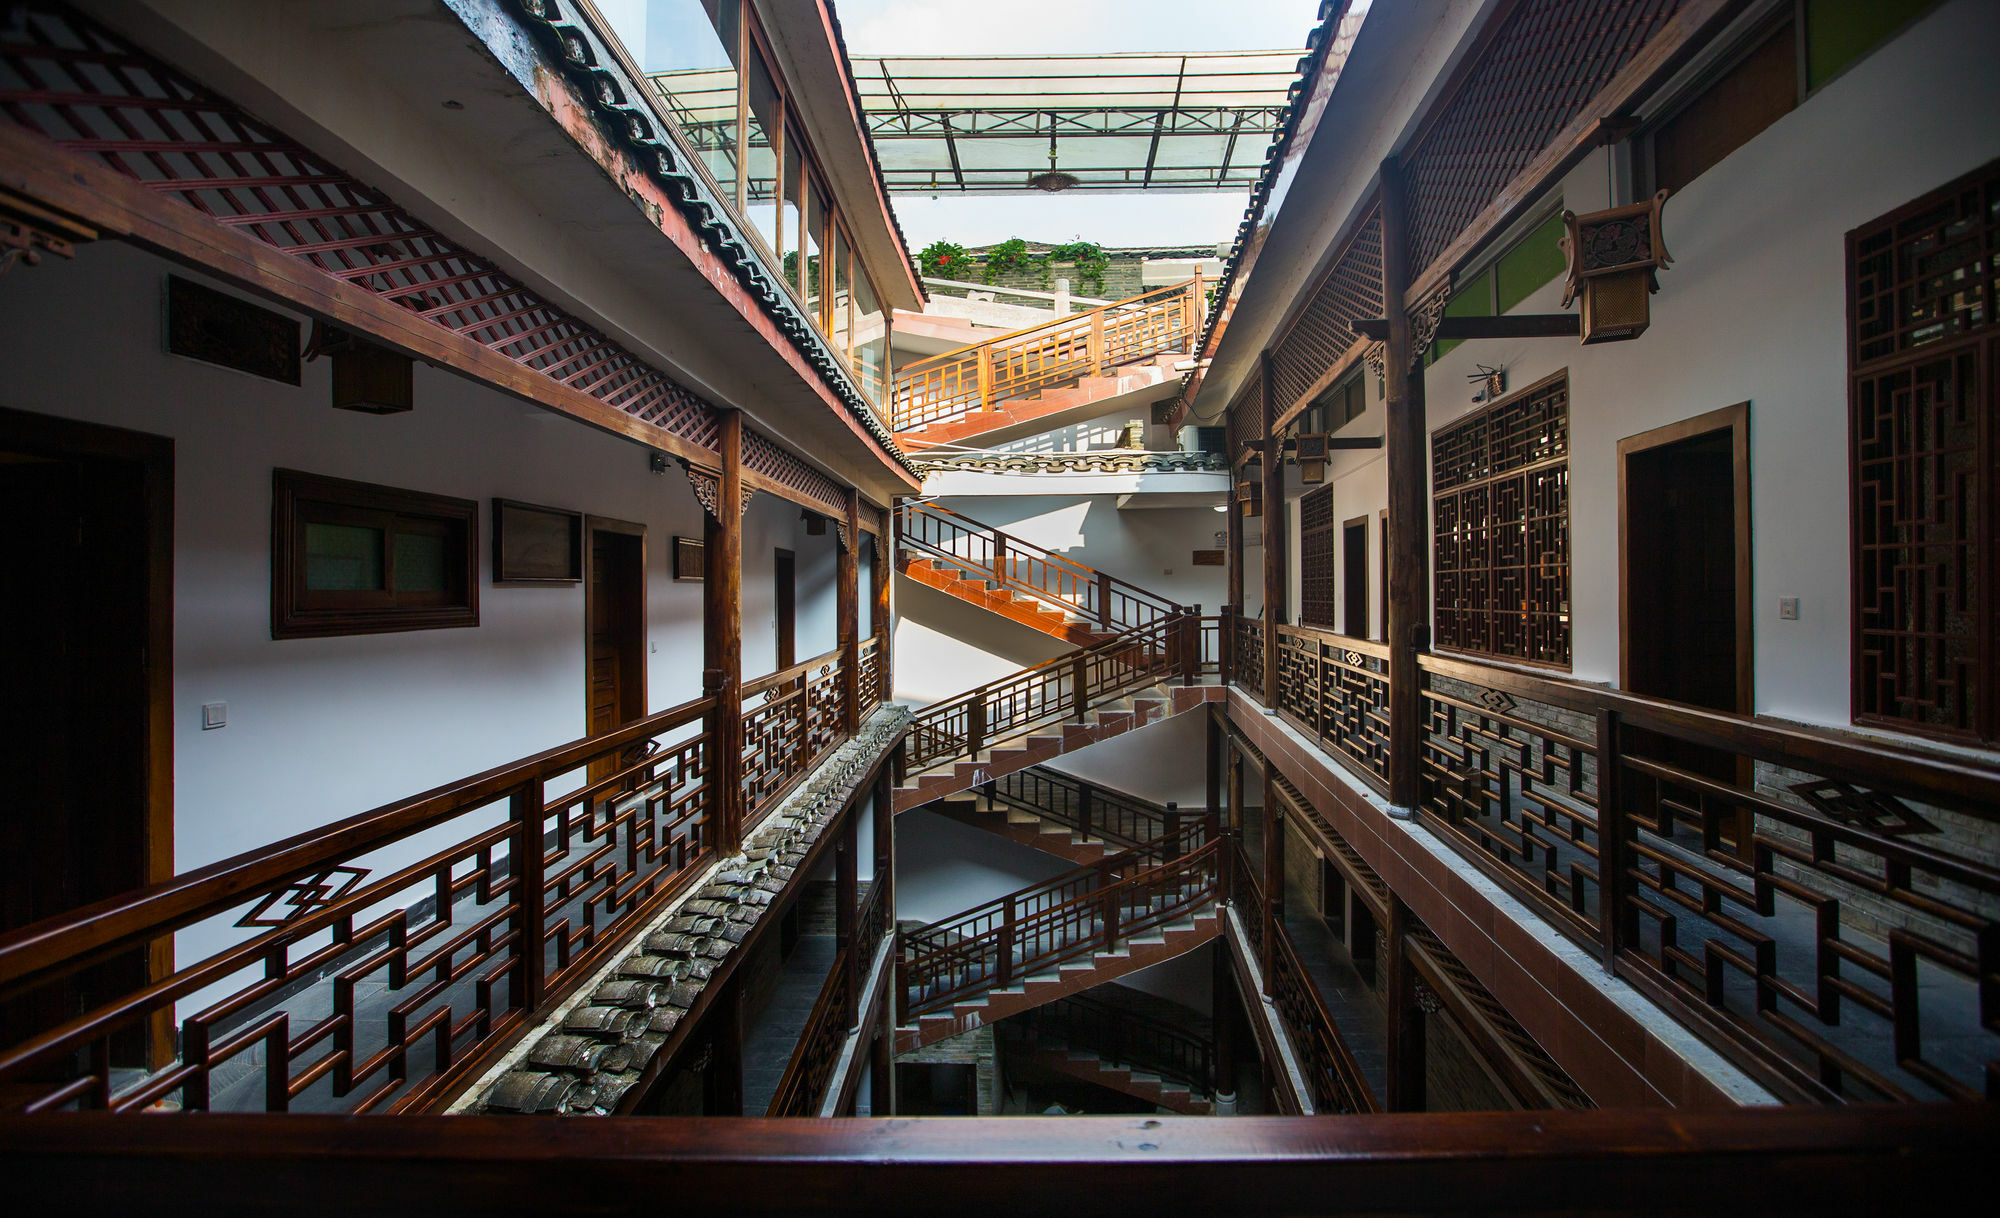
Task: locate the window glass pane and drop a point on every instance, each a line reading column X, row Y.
column 688, row 49
column 343, row 558
column 815, row 224
column 1838, row 32
column 1475, row 299
column 420, row 562
column 1537, row 260
column 759, row 157
column 871, row 337
column 789, row 221
column 837, row 326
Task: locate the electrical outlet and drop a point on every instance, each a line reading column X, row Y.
column 1788, row 608
column 214, row 715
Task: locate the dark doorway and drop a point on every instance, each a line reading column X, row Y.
column 615, row 607
column 86, row 642
column 1354, row 577
column 1684, row 568
column 785, row 597
column 1382, row 591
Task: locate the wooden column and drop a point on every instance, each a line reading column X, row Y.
column 723, row 1083
column 847, row 907
column 885, row 838
column 1404, row 1039
column 1222, row 1007
column 1233, row 554
column 885, row 603
column 1273, row 912
column 1404, row 448
column 878, row 606
column 722, row 631
column 1276, row 554
column 847, row 600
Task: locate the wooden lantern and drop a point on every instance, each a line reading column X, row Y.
column 1250, row 497
column 1614, row 261
column 1313, row 452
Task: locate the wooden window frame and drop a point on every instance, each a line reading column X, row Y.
column 1319, row 560
column 299, row 499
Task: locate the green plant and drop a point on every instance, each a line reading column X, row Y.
column 944, row 260
column 1010, row 255
column 1089, row 258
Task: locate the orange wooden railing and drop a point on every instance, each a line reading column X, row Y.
column 1012, row 365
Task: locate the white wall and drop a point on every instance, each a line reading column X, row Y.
column 944, row 868
column 1151, row 547
column 1165, row 762
column 944, row 646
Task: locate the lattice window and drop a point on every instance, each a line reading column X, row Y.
column 1500, row 507
column 1921, row 343
column 1319, row 555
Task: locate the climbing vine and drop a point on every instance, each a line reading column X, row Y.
column 1010, row 255
column 1089, row 257
column 944, row 260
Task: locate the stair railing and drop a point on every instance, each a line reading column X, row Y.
column 1066, row 687
column 1111, row 816
column 984, row 552
column 1007, row 366
column 1045, row 925
column 1124, row 1038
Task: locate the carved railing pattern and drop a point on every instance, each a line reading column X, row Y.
column 1336, row 689
column 1828, row 909
column 791, row 720
column 1246, row 654
column 1246, row 896
column 868, row 687
column 1093, row 811
column 1121, row 1037
column 1012, row 365
column 1066, row 687
column 356, row 967
column 802, row 1090
column 983, row 552
column 1332, row 1075
column 1038, row 928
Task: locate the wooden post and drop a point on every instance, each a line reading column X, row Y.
column 722, row 634
column 1000, row 570
column 885, row 840
column 1004, row 965
column 1613, row 835
column 1273, row 912
column 975, row 729
column 528, row 849
column 1083, row 809
column 847, row 600
column 1404, row 449
column 985, row 358
column 890, row 541
column 1079, row 685
column 882, row 1068
column 1276, row 555
column 1405, row 1031
column 847, row 908
column 1222, row 1019
column 1097, row 341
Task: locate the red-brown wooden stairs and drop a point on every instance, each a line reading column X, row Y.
column 1048, row 374
column 1123, row 1040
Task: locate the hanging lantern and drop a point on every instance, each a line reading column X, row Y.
column 1313, row 452
column 1614, row 261
column 1250, row 497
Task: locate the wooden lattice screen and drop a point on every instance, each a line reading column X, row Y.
column 1324, row 331
column 1921, row 346
column 1500, row 519
column 1319, row 554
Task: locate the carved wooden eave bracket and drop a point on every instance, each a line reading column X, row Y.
column 846, row 538
column 1424, row 319
column 707, row 484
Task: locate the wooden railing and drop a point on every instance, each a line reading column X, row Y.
column 984, row 552
column 1332, row 1075
column 803, row 1088
column 791, row 720
column 1826, row 909
column 1122, row 1037
column 1069, row 348
column 870, row 687
column 1044, row 925
column 1246, row 653
column 1181, row 648
column 1336, row 689
column 361, row 966
column 1093, row 811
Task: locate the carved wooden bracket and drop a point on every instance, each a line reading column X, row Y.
column 28, row 230
column 707, row 484
column 846, row 541
column 1424, row 321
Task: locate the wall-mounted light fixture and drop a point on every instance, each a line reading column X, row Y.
column 369, row 378
column 1614, row 261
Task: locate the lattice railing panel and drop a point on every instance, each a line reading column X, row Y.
column 1337, row 690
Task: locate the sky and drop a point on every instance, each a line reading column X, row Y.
column 1026, row 27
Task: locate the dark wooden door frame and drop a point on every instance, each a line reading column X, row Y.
column 1382, row 594
column 593, row 525
column 1736, row 420
column 44, row 435
column 1348, row 596
column 785, row 608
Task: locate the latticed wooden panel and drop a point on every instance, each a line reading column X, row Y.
column 1324, row 332
column 1544, row 66
column 762, row 454
column 1318, row 557
column 1927, row 273
column 1500, row 519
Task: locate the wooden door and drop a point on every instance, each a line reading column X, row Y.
column 1354, row 577
column 615, row 606
column 86, row 646
column 785, row 600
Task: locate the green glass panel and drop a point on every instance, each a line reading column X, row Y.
column 1838, row 32
column 1537, row 259
column 343, row 558
column 1475, row 299
column 419, row 562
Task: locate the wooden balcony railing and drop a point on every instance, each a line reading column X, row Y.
column 1246, row 653
column 1180, row 648
column 803, row 1088
column 1093, row 811
column 871, row 688
column 984, row 552
column 1040, row 927
column 1332, row 1075
column 362, row 966
column 1122, row 1037
column 1069, row 348
column 791, row 720
column 1336, row 689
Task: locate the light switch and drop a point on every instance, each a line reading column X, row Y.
column 1788, row 608
column 214, row 715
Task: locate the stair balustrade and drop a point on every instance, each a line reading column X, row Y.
column 983, row 552
column 1012, row 365
column 1067, row 687
column 1091, row 810
column 1123, row 1038
column 1074, row 915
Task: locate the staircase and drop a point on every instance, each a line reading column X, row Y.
column 1058, row 706
column 1033, row 379
column 1051, row 940
column 982, row 566
column 1052, row 812
column 1112, row 1044
column 1090, row 1068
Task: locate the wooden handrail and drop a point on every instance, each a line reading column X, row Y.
column 957, row 382
column 786, row 675
column 813, row 1057
column 91, row 931
column 1123, row 1037
column 1317, row 1040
